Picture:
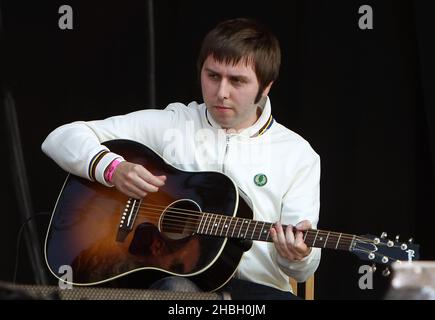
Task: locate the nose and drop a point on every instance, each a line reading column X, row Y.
column 223, row 90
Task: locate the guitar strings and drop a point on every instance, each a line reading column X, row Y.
column 344, row 241
column 179, row 210
column 186, row 220
column 179, row 223
column 195, row 218
column 196, row 215
column 177, row 228
column 192, row 226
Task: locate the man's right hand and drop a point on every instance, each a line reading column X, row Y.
column 135, row 181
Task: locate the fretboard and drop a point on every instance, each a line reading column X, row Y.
column 240, row 228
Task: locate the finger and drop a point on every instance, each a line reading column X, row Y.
column 276, row 232
column 162, row 178
column 299, row 243
column 279, row 247
column 133, row 191
column 152, row 179
column 289, row 235
column 295, row 244
column 143, row 178
column 283, row 241
column 303, row 225
column 145, row 186
column 300, row 246
column 280, row 234
column 272, row 232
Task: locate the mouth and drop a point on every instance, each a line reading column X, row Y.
column 222, row 108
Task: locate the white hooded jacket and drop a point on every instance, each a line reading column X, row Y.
column 275, row 167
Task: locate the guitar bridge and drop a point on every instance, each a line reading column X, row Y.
column 127, row 219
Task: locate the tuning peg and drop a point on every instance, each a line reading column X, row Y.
column 386, row 272
column 397, row 238
column 384, row 235
column 373, row 268
column 411, row 240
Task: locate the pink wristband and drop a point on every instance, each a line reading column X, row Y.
column 111, row 169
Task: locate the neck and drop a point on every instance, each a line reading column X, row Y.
column 259, row 107
column 235, row 227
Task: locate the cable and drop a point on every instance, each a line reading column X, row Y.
column 23, row 225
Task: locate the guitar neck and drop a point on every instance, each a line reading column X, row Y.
column 240, row 228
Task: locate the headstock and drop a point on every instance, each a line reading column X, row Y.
column 383, row 251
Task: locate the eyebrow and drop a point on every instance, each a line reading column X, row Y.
column 233, row 76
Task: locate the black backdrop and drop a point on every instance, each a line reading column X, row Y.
column 362, row 98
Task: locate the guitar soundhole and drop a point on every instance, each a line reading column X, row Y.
column 180, row 219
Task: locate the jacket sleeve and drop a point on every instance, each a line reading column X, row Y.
column 76, row 147
column 302, row 202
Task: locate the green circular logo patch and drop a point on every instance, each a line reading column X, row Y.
column 260, row 179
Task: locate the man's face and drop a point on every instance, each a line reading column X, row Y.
column 229, row 92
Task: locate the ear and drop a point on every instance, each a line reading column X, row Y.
column 267, row 89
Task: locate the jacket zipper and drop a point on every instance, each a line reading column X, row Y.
column 226, row 151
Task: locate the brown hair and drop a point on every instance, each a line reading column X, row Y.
column 244, row 39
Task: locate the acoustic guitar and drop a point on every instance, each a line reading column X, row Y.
column 198, row 225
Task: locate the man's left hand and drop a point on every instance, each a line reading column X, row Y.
column 289, row 244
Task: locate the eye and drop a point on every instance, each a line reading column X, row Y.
column 237, row 81
column 213, row 76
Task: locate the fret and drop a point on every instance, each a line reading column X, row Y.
column 240, row 229
column 255, row 227
column 199, row 224
column 236, row 219
column 321, row 237
column 308, row 237
column 326, row 241
column 338, row 241
column 208, row 224
column 205, row 222
column 261, row 231
column 268, row 232
column 314, row 242
column 353, row 240
column 316, row 238
column 245, row 234
column 214, row 225
column 220, row 219
column 226, row 225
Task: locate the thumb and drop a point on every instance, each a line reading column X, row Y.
column 303, row 225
